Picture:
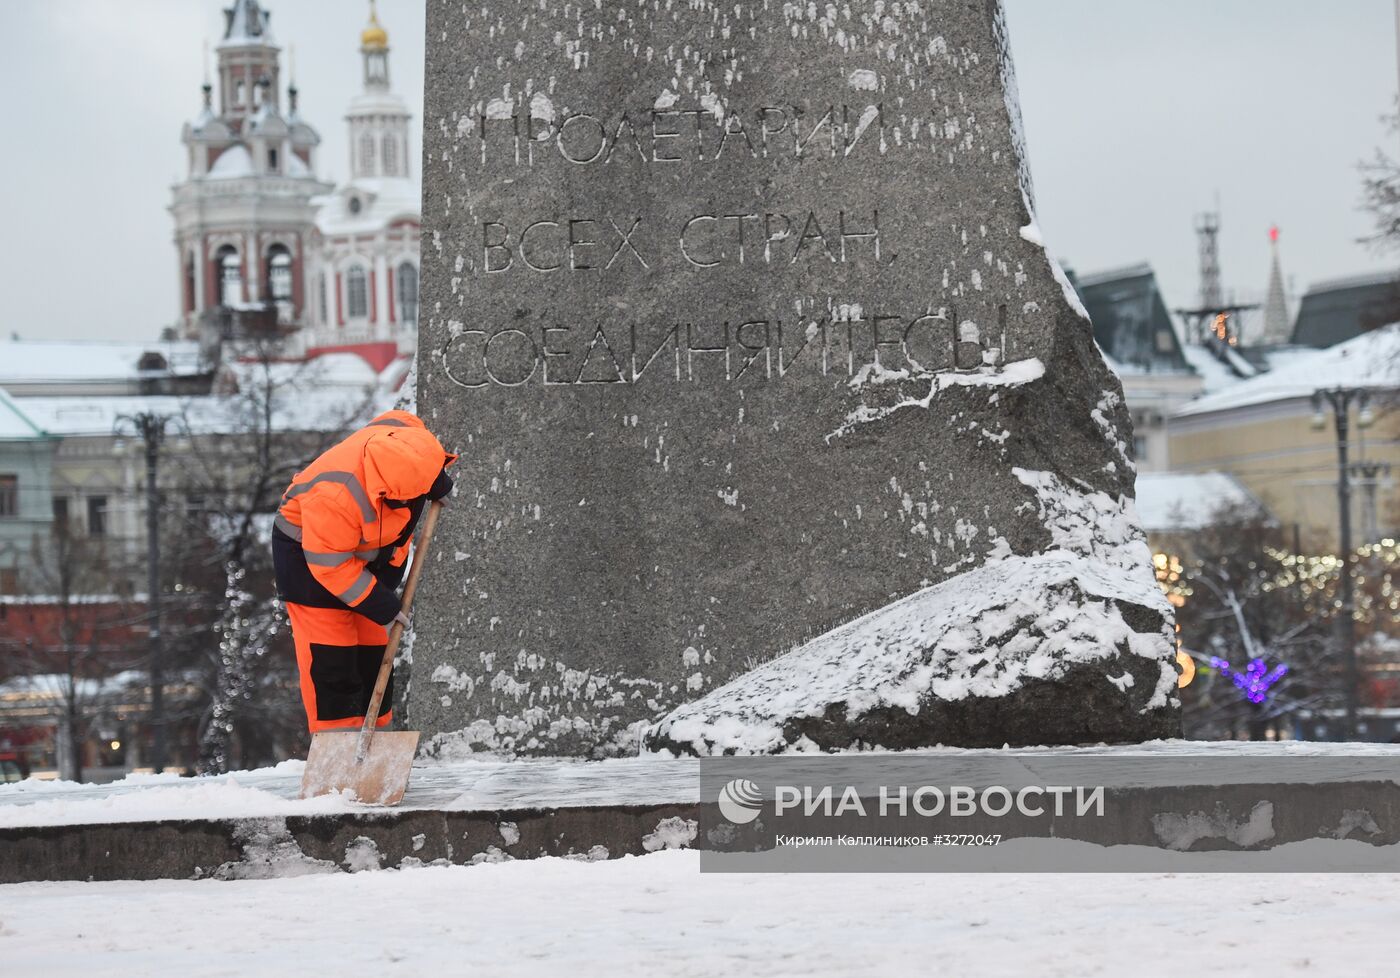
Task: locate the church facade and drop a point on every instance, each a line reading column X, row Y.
column 265, row 246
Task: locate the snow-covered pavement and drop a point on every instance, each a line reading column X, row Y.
column 658, row 915
column 488, row 783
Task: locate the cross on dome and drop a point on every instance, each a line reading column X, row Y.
column 247, row 23
column 374, row 37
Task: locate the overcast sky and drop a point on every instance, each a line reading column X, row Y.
column 1138, row 112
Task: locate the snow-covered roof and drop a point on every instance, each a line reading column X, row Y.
column 1115, row 274
column 382, row 200
column 1176, row 501
column 266, row 121
column 325, row 394
column 233, row 162
column 1354, row 282
column 1371, row 360
column 391, row 378
column 73, row 417
column 343, row 370
column 76, row 415
column 1215, row 376
column 377, row 103
column 208, row 126
column 1334, row 312
column 54, row 686
column 15, row 425
column 73, row 360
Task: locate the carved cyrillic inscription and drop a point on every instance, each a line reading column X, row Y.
column 722, row 239
column 716, row 352
column 573, row 347
column 531, row 134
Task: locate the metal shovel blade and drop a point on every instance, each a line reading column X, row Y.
column 380, row 779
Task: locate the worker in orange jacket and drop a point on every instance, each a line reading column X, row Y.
column 340, row 542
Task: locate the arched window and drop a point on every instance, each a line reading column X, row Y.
column 407, row 290
column 356, row 293
column 279, row 273
column 390, row 156
column 229, row 266
column 367, row 155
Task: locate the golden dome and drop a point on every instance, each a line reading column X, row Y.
column 374, row 37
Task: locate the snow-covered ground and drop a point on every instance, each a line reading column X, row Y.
column 658, row 915
column 491, row 783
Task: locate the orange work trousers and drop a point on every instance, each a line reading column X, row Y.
column 338, row 656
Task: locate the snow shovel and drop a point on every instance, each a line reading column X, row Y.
column 373, row 765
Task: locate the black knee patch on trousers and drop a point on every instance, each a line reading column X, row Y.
column 344, row 677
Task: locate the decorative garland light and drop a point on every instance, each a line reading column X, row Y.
column 1255, row 682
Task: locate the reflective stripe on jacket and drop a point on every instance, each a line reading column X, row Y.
column 352, row 511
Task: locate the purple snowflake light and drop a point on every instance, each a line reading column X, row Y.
column 1256, row 680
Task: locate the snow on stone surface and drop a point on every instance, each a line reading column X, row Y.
column 1015, row 374
column 497, row 785
column 459, row 786
column 1371, row 360
column 938, row 643
column 1173, row 501
column 207, row 798
column 657, row 914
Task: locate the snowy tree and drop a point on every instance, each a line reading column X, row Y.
column 1380, row 183
column 1263, row 645
column 78, row 641
column 1381, row 189
column 266, row 434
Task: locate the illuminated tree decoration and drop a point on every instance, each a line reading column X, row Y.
column 1188, row 669
column 1255, row 682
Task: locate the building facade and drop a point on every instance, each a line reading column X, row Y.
column 1269, row 434
column 26, row 475
column 244, row 217
column 265, row 247
column 366, row 246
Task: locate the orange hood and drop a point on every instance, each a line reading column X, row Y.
column 402, row 458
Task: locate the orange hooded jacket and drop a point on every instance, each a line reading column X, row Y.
column 351, row 511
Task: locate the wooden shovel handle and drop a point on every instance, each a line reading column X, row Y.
column 420, row 557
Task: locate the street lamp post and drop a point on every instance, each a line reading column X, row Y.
column 1369, row 474
column 151, row 429
column 1341, row 399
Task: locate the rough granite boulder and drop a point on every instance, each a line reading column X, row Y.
column 779, row 428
